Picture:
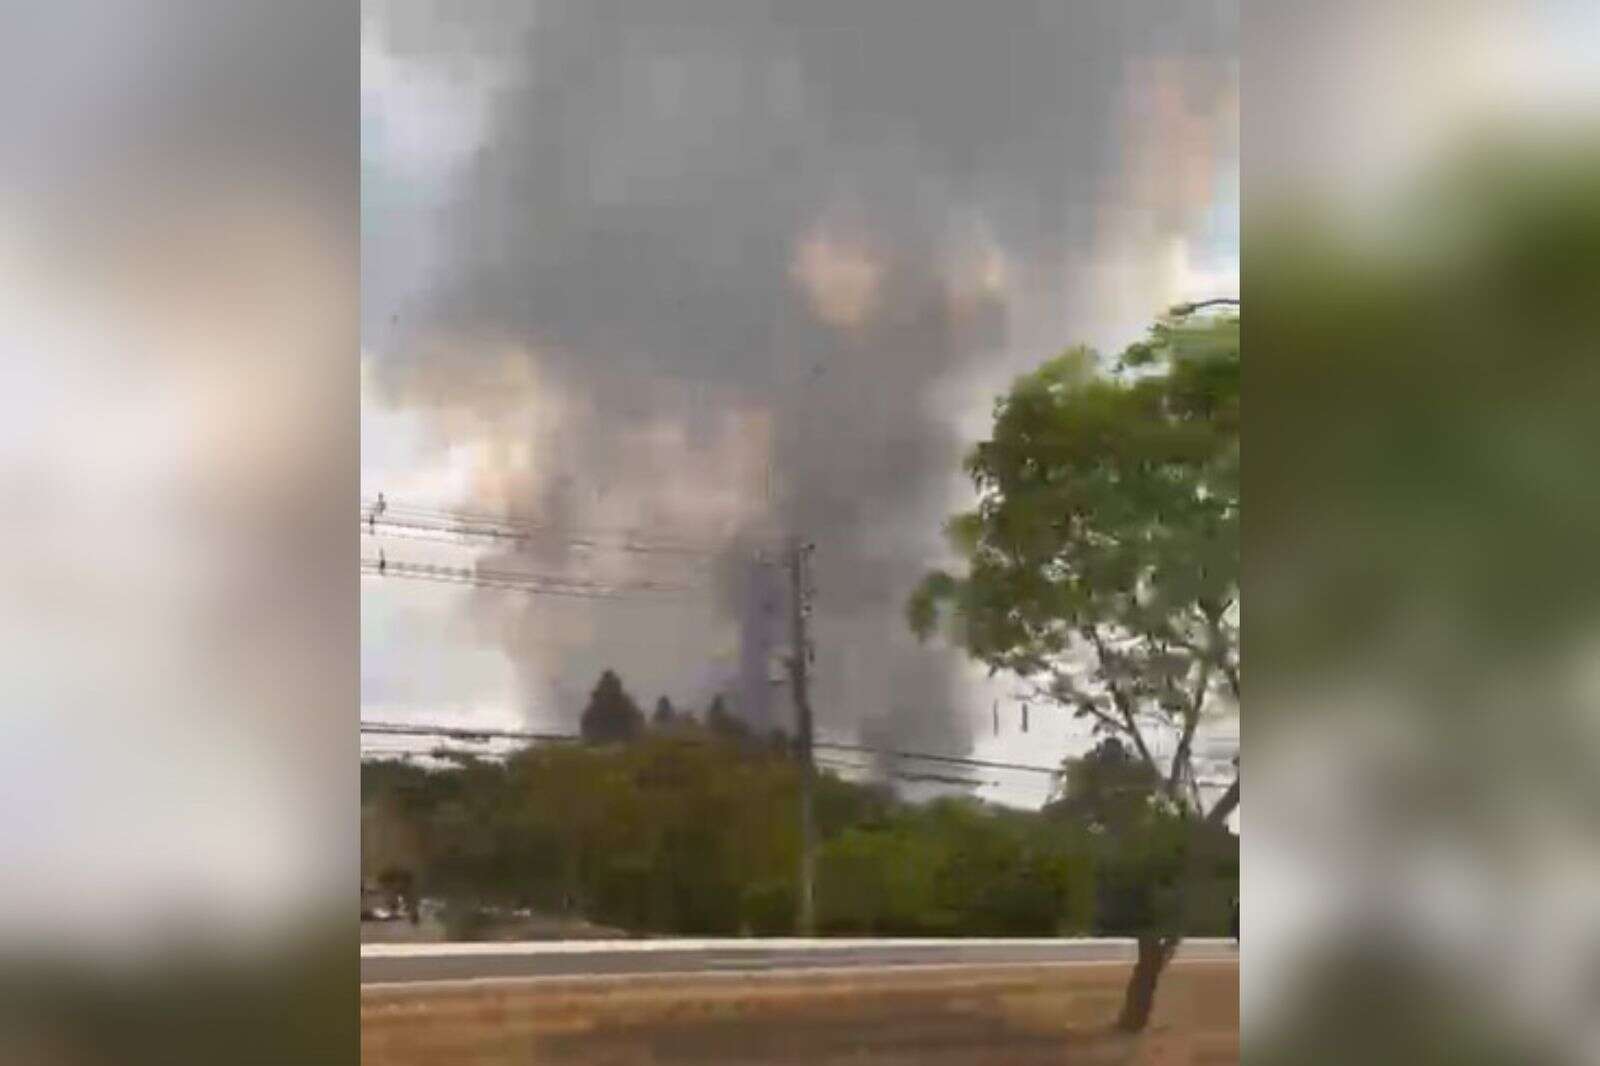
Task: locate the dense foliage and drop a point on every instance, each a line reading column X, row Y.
column 1102, row 559
column 686, row 831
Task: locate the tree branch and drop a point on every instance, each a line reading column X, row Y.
column 1133, row 730
column 1120, row 698
column 1224, row 806
column 1187, row 645
column 1102, row 717
column 1191, row 721
column 1217, row 647
column 1082, row 703
column 1215, row 301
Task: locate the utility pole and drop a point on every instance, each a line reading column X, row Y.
column 800, row 645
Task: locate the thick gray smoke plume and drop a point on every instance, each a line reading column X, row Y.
column 707, row 270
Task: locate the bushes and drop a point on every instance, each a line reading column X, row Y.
column 768, row 908
column 685, row 833
column 954, row 868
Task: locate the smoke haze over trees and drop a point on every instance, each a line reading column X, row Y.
column 724, row 271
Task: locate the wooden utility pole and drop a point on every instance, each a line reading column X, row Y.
column 800, row 652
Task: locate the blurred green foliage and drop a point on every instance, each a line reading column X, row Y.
column 1422, row 508
column 1423, row 492
column 192, row 1003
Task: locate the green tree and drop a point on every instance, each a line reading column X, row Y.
column 664, row 715
column 1142, row 848
column 1102, row 563
column 878, row 882
column 954, row 867
column 1109, row 789
column 682, row 832
column 611, row 716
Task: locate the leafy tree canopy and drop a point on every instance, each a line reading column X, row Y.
column 1102, row 559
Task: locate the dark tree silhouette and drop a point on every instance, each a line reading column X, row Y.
column 611, row 717
column 723, row 724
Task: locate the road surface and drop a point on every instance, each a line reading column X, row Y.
column 399, row 964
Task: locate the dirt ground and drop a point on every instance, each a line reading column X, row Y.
column 1023, row 1015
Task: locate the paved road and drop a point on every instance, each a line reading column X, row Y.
column 385, row 964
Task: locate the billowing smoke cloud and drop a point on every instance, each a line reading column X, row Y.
column 709, row 270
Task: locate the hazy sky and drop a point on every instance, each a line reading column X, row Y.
column 697, row 268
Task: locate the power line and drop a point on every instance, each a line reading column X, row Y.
column 406, row 729
column 464, row 732
column 904, row 775
column 953, row 760
column 376, row 514
column 441, row 530
column 520, row 582
column 440, row 752
column 470, row 734
column 484, row 736
column 427, row 750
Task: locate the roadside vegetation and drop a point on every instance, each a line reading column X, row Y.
column 686, row 830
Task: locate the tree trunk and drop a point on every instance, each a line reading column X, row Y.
column 1154, row 950
column 1140, row 997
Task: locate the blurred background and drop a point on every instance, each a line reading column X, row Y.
column 179, row 275
column 1422, row 224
